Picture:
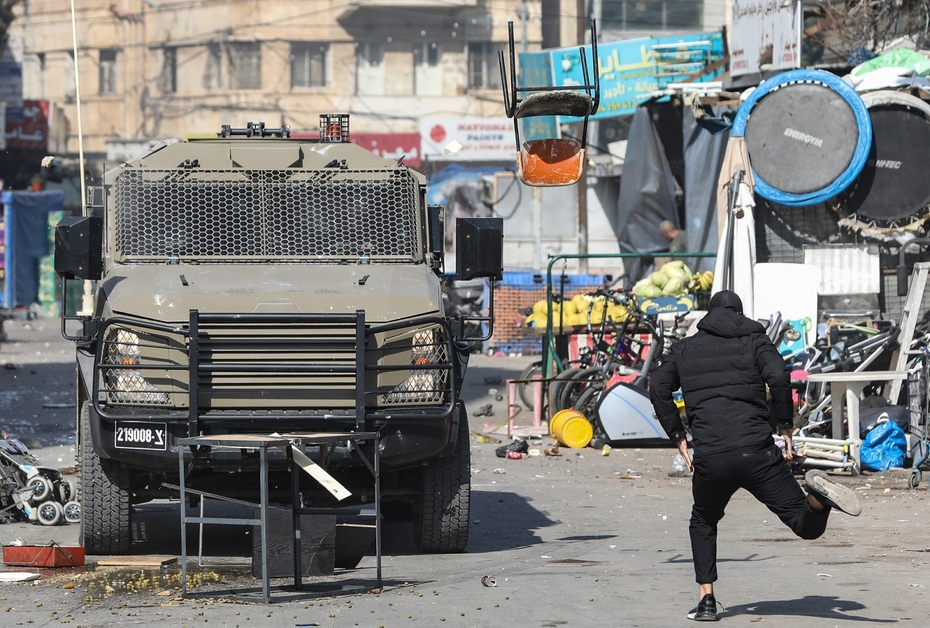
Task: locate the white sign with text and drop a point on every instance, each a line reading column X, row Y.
column 764, row 33
column 467, row 139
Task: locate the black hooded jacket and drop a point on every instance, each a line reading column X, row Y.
column 722, row 371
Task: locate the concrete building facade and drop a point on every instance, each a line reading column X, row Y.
column 158, row 69
column 172, row 68
column 175, row 68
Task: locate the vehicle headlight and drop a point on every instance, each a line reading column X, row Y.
column 428, row 383
column 120, row 352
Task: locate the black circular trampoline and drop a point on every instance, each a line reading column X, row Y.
column 807, row 133
column 893, row 185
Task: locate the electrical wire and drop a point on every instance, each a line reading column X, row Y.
column 500, row 198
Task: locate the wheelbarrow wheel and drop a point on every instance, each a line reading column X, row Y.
column 72, row 512
column 49, row 513
column 39, row 489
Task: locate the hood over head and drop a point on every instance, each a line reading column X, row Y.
column 726, row 299
column 725, row 317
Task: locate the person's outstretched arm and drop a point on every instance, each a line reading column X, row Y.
column 776, row 375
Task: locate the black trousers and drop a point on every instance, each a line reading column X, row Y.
column 763, row 473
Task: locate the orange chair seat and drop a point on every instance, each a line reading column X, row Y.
column 550, row 162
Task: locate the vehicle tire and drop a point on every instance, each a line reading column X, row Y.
column 105, row 495
column 914, row 481
column 525, row 389
column 39, row 489
column 441, row 523
column 72, row 512
column 49, row 513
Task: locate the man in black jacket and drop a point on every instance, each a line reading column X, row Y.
column 722, row 371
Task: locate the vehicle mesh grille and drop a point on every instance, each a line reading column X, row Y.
column 284, row 214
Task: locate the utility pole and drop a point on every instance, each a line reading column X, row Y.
column 582, row 186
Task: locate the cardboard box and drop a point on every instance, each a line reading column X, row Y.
column 52, row 555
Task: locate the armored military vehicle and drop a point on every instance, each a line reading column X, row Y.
column 255, row 283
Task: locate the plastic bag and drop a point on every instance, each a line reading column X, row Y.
column 884, row 447
column 679, row 469
column 518, row 445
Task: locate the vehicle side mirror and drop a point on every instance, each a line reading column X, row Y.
column 79, row 247
column 479, row 248
column 436, row 231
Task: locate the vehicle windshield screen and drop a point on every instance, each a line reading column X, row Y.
column 295, row 215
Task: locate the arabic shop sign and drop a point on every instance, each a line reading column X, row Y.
column 33, row 130
column 764, row 32
column 391, row 146
column 468, row 139
column 630, row 71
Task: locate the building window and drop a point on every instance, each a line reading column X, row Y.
column 108, row 71
column 308, row 64
column 245, row 65
column 212, row 74
column 369, row 73
column 34, row 75
column 483, row 67
column 427, row 71
column 168, row 81
column 636, row 15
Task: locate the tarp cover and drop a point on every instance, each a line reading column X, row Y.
column 705, row 146
column 27, row 240
column 647, row 194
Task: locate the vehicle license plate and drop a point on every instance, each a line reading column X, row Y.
column 136, row 435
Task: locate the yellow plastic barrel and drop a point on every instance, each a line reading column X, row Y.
column 571, row 429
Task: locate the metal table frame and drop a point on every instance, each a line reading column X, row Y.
column 322, row 440
column 845, row 389
column 263, row 444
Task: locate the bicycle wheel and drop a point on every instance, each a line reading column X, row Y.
column 579, row 382
column 586, row 403
column 556, row 385
column 525, row 389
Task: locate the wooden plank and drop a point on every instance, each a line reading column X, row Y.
column 136, row 561
column 319, row 474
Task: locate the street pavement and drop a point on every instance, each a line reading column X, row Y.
column 578, row 539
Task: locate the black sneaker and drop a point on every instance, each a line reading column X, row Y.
column 706, row 610
column 831, row 494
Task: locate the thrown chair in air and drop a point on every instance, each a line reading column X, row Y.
column 550, row 161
